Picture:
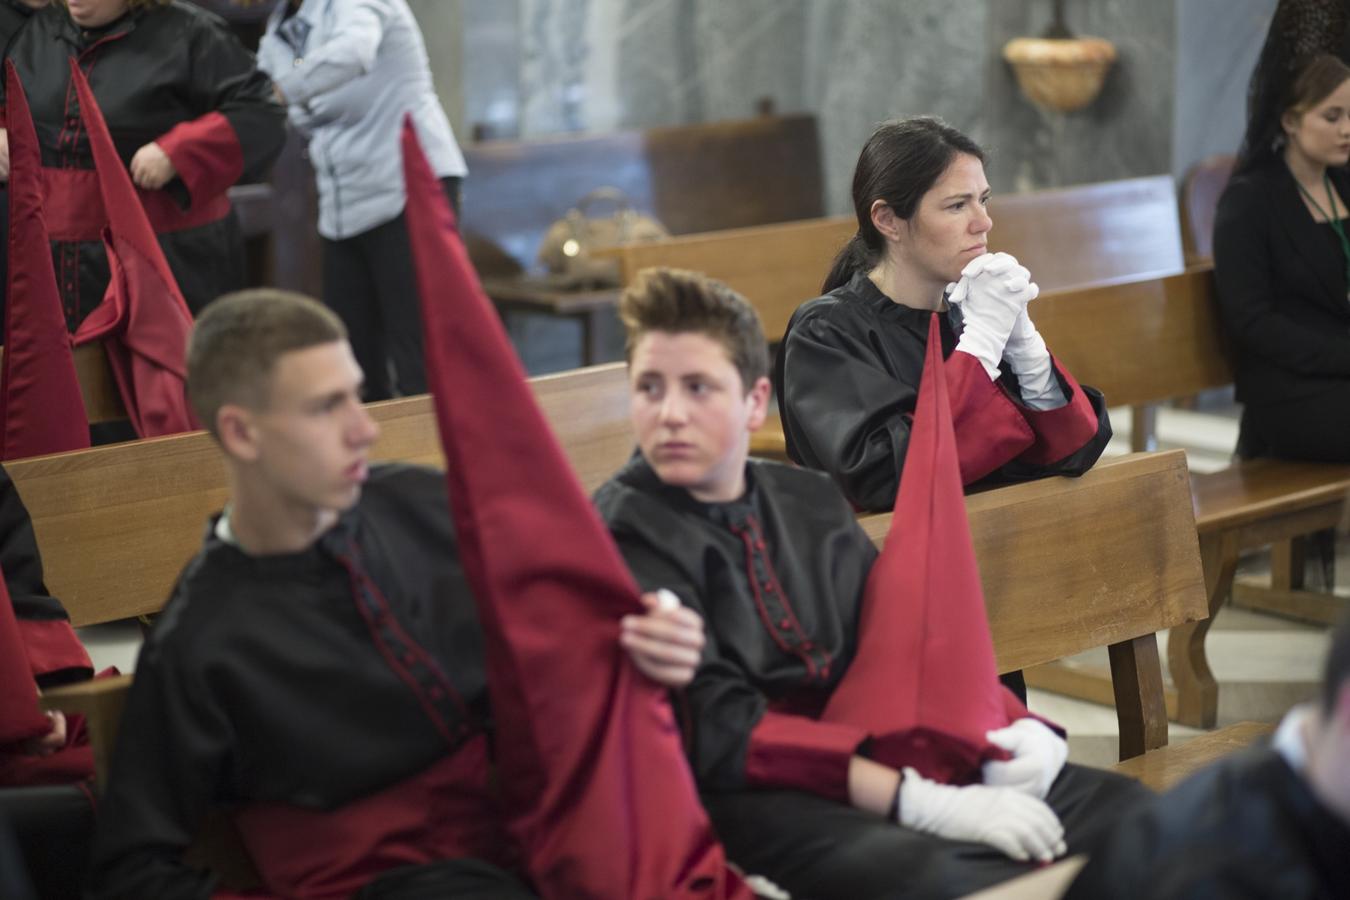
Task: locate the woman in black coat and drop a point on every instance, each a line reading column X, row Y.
column 1282, row 265
column 848, row 367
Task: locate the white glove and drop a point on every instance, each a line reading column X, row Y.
column 1020, row 826
column 1029, row 360
column 992, row 292
column 1038, row 756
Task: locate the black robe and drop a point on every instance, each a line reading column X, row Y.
column 847, row 379
column 778, row 577
column 175, row 75
column 13, row 16
column 1248, row 827
column 300, row 692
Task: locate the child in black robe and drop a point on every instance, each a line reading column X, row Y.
column 773, row 558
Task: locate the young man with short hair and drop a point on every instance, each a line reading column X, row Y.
column 318, row 674
column 774, row 560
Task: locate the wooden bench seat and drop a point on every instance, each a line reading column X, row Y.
column 1152, row 340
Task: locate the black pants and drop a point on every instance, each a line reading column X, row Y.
column 1315, row 428
column 369, row 281
column 818, row 849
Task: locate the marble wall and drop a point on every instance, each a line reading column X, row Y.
column 535, row 67
column 1218, row 42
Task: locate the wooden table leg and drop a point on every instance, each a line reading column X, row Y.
column 1144, row 428
column 1197, row 691
column 591, row 336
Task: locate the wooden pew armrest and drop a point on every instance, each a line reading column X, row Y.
column 100, row 701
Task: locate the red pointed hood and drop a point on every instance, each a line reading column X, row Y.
column 925, row 683
column 143, row 319
column 599, row 794
column 41, row 408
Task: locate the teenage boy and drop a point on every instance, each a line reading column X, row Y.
column 773, row 559
column 317, row 676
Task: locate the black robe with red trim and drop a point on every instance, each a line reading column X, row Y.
column 847, row 379
column 778, row 577
column 174, row 75
column 333, row 702
column 54, row 654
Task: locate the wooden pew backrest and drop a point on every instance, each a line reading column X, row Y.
column 692, row 178
column 116, row 524
column 1200, row 194
column 1070, row 564
column 1139, row 342
column 1089, row 234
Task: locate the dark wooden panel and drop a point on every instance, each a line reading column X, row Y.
column 693, row 178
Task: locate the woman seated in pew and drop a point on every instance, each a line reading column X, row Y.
column 847, row 371
column 773, row 559
column 1282, row 261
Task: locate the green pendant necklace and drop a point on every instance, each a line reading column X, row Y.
column 1333, row 220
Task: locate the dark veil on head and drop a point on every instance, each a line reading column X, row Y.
column 1299, row 31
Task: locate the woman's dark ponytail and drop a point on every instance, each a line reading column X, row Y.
column 848, row 262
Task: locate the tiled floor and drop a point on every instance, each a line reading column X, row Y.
column 1263, row 664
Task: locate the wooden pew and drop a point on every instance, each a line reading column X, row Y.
column 1153, row 340
column 1068, row 564
column 1107, row 559
column 690, row 177
column 1089, row 234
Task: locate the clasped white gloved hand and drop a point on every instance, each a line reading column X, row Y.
column 1030, row 361
column 993, row 291
column 1038, row 756
column 1020, row 826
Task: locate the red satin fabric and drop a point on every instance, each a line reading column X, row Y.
column 990, row 428
column 143, row 320
column 600, row 798
column 924, row 682
column 41, row 407
column 207, row 156
column 449, row 811
column 74, row 207
column 1062, row 431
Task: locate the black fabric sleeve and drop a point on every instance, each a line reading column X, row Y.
column 845, row 412
column 1245, row 271
column 172, row 748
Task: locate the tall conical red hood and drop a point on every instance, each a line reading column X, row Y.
column 143, row 320
column 41, row 409
column 924, row 682
column 601, row 798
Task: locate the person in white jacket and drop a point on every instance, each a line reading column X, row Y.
column 349, row 71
